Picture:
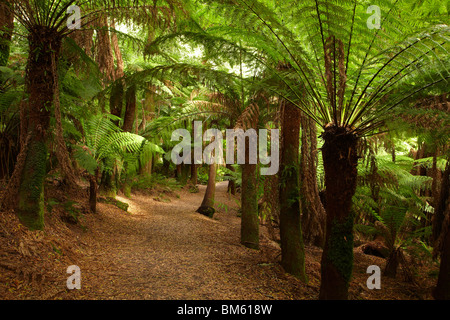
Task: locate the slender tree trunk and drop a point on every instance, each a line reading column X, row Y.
column 182, row 173
column 442, row 290
column 93, row 188
column 207, row 206
column 440, row 203
column 147, row 116
column 130, row 109
column 119, row 60
column 292, row 248
column 340, row 163
column 249, row 204
column 116, row 100
column 313, row 212
column 6, row 28
column 194, row 171
column 194, row 174
column 231, row 183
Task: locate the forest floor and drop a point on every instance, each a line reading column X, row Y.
column 162, row 249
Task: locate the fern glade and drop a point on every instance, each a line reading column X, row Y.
column 353, row 76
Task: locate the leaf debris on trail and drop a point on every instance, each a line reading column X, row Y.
column 161, row 250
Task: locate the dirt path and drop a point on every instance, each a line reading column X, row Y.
column 162, row 249
column 165, row 250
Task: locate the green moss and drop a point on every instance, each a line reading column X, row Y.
column 119, row 204
column 207, row 211
column 31, row 190
column 340, row 247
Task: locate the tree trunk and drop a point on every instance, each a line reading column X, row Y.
column 116, row 100
column 108, row 187
column 392, row 263
column 194, row 175
column 43, row 53
column 104, row 55
column 231, row 183
column 6, row 28
column 62, row 154
column 207, row 206
column 313, row 212
column 130, row 109
column 292, row 248
column 440, row 203
column 340, row 163
column 148, row 115
column 182, row 173
column 442, row 290
column 249, row 203
column 93, row 187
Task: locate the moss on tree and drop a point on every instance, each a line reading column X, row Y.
column 31, row 190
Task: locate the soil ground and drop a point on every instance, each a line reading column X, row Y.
column 162, row 249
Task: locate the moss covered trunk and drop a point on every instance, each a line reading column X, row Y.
column 6, row 28
column 442, row 290
column 440, row 204
column 340, row 163
column 43, row 52
column 292, row 248
column 249, row 204
column 108, row 186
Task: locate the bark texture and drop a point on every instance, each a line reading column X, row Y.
column 313, row 212
column 340, row 163
column 6, row 28
column 207, row 206
column 40, row 83
column 292, row 248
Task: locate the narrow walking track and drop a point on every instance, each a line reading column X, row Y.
column 162, row 249
column 165, row 250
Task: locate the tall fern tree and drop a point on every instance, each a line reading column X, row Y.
column 352, row 74
column 46, row 24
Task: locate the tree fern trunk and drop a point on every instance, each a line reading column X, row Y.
column 340, row 163
column 392, row 263
column 440, row 203
column 442, row 290
column 43, row 52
